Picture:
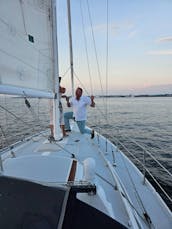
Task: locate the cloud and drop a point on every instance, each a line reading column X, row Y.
column 160, row 52
column 113, row 28
column 101, row 27
column 164, row 39
column 132, row 34
column 125, row 28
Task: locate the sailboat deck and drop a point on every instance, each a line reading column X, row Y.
column 51, row 163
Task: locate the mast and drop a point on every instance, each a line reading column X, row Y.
column 56, row 112
column 70, row 45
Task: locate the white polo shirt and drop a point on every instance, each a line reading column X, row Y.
column 79, row 107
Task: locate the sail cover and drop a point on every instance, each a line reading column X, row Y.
column 26, row 47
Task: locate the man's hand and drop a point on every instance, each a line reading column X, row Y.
column 67, row 100
column 92, row 101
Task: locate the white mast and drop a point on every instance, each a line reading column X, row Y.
column 56, row 112
column 70, row 45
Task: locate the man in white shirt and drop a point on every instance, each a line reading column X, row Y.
column 79, row 104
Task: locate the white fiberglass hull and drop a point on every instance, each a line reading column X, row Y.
column 77, row 159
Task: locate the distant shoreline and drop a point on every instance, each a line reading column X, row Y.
column 126, row 96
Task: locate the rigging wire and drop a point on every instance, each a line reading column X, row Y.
column 139, row 201
column 107, row 51
column 107, row 55
column 16, row 117
column 141, row 146
column 4, row 134
column 23, row 17
column 94, row 44
column 28, row 105
column 20, row 119
column 86, row 48
column 4, row 22
column 154, row 159
column 70, row 45
column 88, row 64
column 21, row 60
column 95, row 50
column 20, row 35
column 98, row 108
column 81, row 83
column 65, row 73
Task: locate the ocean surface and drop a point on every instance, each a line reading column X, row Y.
column 148, row 121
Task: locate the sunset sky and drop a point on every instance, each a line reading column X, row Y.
column 139, row 45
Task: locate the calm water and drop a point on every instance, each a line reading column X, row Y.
column 146, row 120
